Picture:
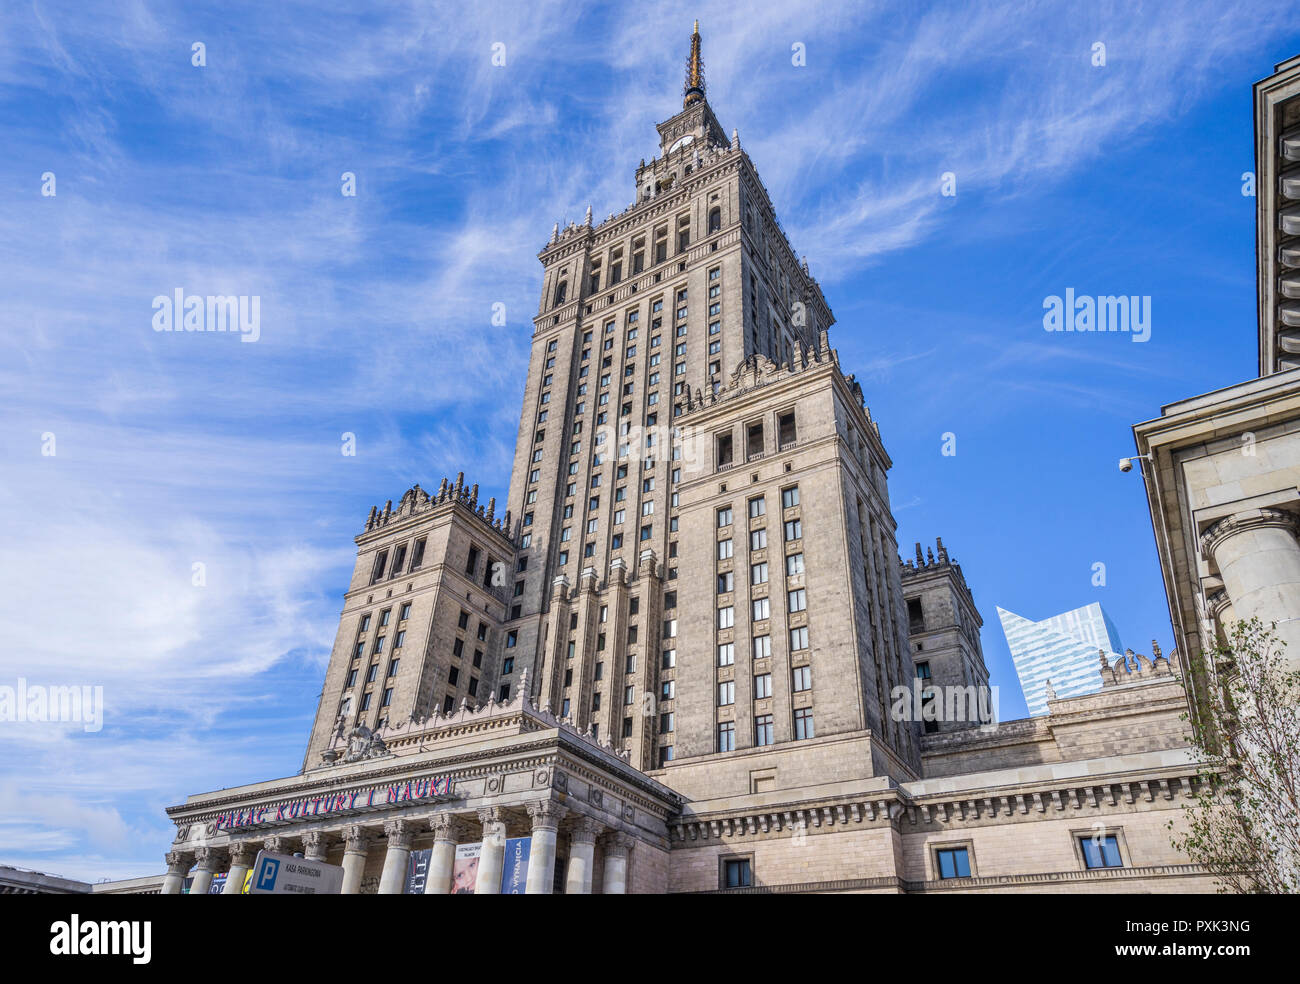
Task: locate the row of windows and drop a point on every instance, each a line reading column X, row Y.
column 381, row 567
column 949, row 862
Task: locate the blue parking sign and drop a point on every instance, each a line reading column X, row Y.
column 266, row 874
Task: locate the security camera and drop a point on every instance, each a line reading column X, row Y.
column 1126, row 464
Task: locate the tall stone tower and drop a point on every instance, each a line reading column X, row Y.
column 943, row 627
column 699, row 555
column 706, row 552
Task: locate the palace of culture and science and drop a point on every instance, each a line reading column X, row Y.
column 669, row 662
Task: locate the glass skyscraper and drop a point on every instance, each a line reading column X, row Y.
column 1062, row 649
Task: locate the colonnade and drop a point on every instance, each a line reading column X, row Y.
column 449, row 828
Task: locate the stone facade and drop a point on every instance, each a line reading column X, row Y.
column 1222, row 470
column 673, row 662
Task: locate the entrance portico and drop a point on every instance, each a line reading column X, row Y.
column 484, row 778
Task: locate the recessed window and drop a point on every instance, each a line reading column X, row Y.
column 952, row 862
column 1101, row 852
column 737, row 873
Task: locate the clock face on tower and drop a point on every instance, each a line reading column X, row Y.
column 681, row 142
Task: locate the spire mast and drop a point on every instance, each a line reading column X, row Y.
column 694, row 91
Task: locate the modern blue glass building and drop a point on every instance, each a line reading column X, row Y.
column 1062, row 649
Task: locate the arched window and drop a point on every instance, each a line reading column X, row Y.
column 561, row 291
column 715, row 219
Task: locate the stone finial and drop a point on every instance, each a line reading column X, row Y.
column 1051, row 691
column 492, row 508
column 943, row 554
column 929, row 556
column 1155, row 651
column 735, row 139
column 555, row 233
column 587, row 218
column 473, row 496
column 920, row 560
column 374, row 512
column 460, row 483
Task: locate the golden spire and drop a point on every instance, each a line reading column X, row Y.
column 694, row 71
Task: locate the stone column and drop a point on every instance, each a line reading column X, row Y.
column 393, row 878
column 616, row 847
column 447, row 831
column 1258, row 557
column 315, row 845
column 241, row 858
column 355, row 847
column 206, row 859
column 492, row 860
column 178, row 866
column 275, row 844
column 582, row 856
column 546, row 817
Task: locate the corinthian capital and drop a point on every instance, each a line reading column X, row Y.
column 546, row 814
column 399, row 833
column 1248, row 519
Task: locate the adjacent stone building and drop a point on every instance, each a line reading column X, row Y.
column 687, row 657
column 1222, row 470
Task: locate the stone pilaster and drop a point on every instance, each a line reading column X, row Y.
column 617, row 845
column 582, row 856
column 447, row 831
column 546, row 817
column 178, row 866
column 356, row 845
column 206, row 860
column 492, row 860
column 241, row 859
column 1258, row 557
column 393, row 878
column 315, row 845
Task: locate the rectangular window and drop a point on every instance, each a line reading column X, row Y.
column 799, row 638
column 726, row 617
column 757, row 507
column 802, row 679
column 793, row 530
column 786, row 434
column 953, row 863
column 666, row 722
column 762, row 647
column 763, row 731
column 726, row 653
column 798, row 600
column 724, row 517
column 669, row 659
column 724, row 550
column 726, row 693
column 794, row 564
column 758, row 573
column 762, row 609
column 803, row 723
column 736, row 873
column 758, row 539
column 790, row 497
column 762, row 686
column 1101, row 852
column 668, row 690
column 629, row 696
column 726, row 582
column 723, row 450
column 754, row 440
column 727, row 736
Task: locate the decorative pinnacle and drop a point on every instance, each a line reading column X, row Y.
column 694, row 91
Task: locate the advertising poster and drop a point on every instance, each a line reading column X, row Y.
column 417, row 871
column 465, row 870
column 514, row 875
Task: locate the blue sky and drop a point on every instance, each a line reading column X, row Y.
column 173, row 449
